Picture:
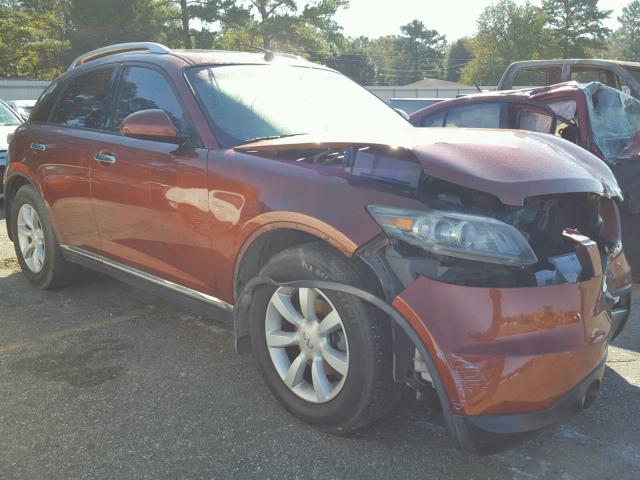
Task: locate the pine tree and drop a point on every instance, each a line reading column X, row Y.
column 577, row 25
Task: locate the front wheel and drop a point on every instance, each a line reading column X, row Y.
column 325, row 355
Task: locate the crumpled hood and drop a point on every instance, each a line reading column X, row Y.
column 510, row 164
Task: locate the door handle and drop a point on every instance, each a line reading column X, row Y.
column 38, row 147
column 105, row 158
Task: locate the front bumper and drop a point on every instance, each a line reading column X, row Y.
column 513, row 361
column 486, row 434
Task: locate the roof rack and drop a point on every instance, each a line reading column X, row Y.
column 149, row 47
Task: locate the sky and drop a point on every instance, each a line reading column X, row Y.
column 454, row 18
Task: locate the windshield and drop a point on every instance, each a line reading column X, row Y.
column 248, row 102
column 615, row 117
column 7, row 117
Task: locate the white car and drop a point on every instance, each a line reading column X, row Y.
column 9, row 121
column 22, row 107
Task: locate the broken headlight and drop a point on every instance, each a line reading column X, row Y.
column 454, row 234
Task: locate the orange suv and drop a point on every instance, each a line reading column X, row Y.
column 354, row 255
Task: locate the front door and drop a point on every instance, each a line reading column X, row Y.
column 150, row 196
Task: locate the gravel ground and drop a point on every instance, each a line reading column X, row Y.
column 103, row 381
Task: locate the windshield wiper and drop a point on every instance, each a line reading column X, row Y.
column 271, row 137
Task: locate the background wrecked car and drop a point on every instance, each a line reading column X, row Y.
column 600, row 119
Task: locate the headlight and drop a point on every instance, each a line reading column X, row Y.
column 456, row 234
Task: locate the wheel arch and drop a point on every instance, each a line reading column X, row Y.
column 274, row 238
column 289, row 229
column 14, row 183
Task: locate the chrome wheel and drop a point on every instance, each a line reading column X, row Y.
column 31, row 238
column 307, row 343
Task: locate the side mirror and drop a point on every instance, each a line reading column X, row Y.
column 152, row 124
column 402, row 113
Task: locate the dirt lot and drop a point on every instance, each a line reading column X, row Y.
column 103, row 381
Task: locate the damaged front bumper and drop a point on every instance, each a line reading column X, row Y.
column 509, row 359
column 514, row 361
column 487, row 434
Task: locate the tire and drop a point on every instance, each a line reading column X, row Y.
column 367, row 391
column 631, row 242
column 53, row 271
column 625, row 302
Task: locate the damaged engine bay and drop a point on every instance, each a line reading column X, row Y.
column 541, row 221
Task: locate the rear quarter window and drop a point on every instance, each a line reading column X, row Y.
column 46, row 102
column 435, row 120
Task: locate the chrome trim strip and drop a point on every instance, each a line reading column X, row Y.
column 150, row 278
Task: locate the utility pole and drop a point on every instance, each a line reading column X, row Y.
column 186, row 31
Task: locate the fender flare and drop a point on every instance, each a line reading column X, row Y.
column 7, row 198
column 281, row 220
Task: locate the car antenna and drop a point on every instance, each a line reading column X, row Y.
column 268, row 54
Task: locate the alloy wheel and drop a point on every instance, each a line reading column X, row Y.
column 307, row 343
column 31, row 238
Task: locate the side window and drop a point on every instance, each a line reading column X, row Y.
column 145, row 89
column 534, row 121
column 480, row 115
column 83, row 102
column 435, row 120
column 567, row 109
column 533, row 77
column 587, row 75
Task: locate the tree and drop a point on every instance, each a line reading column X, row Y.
column 458, row 56
column 576, row 25
column 627, row 38
column 352, row 60
column 425, row 49
column 279, row 19
column 208, row 12
column 33, row 38
column 507, row 32
column 96, row 23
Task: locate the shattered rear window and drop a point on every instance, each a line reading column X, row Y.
column 615, row 118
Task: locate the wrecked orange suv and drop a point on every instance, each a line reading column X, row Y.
column 353, row 254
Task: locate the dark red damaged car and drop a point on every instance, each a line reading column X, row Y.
column 354, row 255
column 599, row 118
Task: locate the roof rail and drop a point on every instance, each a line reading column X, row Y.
column 118, row 48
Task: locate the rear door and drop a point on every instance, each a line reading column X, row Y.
column 60, row 148
column 150, row 196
